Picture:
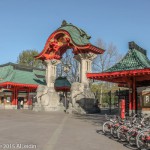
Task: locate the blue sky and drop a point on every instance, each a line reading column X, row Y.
column 26, row 24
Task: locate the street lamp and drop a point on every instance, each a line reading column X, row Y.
column 66, row 68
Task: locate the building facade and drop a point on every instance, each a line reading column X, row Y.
column 18, row 85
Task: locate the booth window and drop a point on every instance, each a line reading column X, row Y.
column 146, row 101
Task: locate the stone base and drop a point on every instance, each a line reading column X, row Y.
column 30, row 107
column 9, row 107
column 37, row 107
column 14, row 106
column 2, row 106
column 47, row 100
column 75, row 110
column 83, row 100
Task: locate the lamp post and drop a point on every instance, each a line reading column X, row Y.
column 66, row 68
column 109, row 93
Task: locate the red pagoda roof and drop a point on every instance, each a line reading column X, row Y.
column 135, row 64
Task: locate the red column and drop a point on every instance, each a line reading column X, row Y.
column 134, row 94
column 13, row 97
column 122, row 107
column 130, row 96
column 14, row 94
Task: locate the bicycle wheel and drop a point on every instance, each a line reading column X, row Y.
column 132, row 140
column 143, row 140
column 121, row 134
column 132, row 135
column 113, row 131
column 107, row 127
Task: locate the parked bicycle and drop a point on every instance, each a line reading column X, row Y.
column 135, row 130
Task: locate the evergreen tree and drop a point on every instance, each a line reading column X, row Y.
column 26, row 58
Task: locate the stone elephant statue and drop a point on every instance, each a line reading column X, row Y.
column 43, row 95
column 77, row 89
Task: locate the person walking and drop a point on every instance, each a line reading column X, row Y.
column 21, row 104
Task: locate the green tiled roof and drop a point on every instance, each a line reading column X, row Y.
column 15, row 73
column 78, row 36
column 21, row 74
column 62, row 82
column 135, row 58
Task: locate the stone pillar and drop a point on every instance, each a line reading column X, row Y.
column 85, row 60
column 47, row 97
column 51, row 71
column 83, row 99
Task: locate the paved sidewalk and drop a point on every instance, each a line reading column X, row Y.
column 53, row 131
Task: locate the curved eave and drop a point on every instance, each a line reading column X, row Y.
column 121, row 76
column 96, row 50
column 19, row 84
column 85, row 48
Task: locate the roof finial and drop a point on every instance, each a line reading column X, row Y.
column 64, row 23
column 133, row 45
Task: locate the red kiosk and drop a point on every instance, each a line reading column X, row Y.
column 132, row 71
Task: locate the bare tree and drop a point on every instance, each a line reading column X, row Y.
column 104, row 61
column 100, row 63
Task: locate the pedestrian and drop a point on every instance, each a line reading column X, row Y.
column 21, row 104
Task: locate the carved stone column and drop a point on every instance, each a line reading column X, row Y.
column 51, row 71
column 83, row 99
column 47, row 97
column 85, row 60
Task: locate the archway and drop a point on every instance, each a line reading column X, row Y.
column 67, row 37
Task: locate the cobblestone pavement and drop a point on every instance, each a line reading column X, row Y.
column 24, row 129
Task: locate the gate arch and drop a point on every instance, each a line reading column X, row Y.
column 66, row 37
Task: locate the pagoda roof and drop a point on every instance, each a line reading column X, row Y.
column 62, row 84
column 135, row 64
column 68, row 36
column 15, row 74
column 135, row 58
column 79, row 36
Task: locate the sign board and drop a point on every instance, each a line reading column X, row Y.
column 146, row 101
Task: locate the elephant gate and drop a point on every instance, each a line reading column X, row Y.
column 67, row 37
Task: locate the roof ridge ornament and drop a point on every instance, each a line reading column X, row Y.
column 133, row 45
column 64, row 23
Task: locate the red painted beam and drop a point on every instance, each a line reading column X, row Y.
column 116, row 76
column 18, row 84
